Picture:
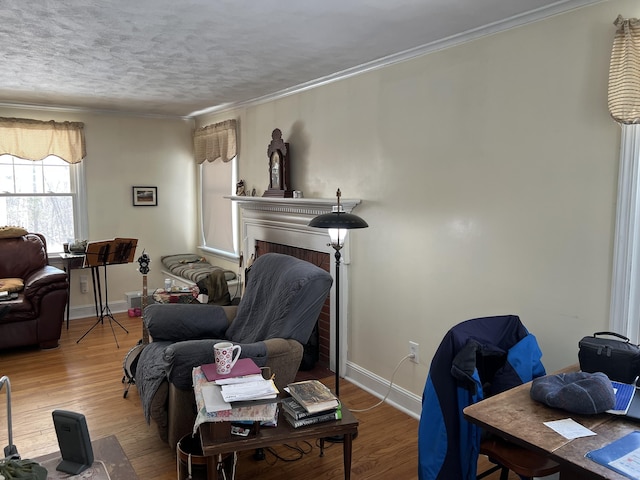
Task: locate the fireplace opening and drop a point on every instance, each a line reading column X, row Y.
column 316, row 351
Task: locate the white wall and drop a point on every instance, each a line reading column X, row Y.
column 488, row 176
column 123, row 151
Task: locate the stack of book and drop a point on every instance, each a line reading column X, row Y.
column 310, row 402
column 243, row 384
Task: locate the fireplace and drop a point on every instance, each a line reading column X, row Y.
column 281, row 224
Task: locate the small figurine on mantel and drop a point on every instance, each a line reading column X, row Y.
column 279, row 175
column 240, row 191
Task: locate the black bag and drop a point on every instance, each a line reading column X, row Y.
column 619, row 360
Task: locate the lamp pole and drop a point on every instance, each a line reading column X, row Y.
column 337, row 333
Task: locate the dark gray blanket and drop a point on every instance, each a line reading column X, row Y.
column 283, row 298
column 150, row 373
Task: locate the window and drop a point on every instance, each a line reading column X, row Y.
column 219, row 215
column 45, row 197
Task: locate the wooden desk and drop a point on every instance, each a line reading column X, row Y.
column 514, row 416
column 214, row 444
column 72, row 261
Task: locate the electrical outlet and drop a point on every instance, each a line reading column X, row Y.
column 414, row 349
column 84, row 284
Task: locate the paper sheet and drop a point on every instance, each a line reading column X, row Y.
column 569, row 428
column 628, row 464
column 213, row 401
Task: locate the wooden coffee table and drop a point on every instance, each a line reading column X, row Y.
column 217, row 440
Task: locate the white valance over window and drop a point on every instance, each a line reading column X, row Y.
column 36, row 140
column 217, row 141
column 624, row 72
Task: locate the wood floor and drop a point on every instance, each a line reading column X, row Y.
column 86, row 377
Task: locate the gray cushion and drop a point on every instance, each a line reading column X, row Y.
column 579, row 392
column 176, row 322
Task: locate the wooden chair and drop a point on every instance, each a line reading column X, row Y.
column 510, row 457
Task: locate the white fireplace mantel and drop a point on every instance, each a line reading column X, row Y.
column 285, row 221
column 304, row 206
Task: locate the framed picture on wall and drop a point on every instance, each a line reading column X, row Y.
column 145, row 196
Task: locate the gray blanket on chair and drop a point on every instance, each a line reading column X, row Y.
column 282, row 300
column 150, row 373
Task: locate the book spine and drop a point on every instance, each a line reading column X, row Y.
column 297, row 414
column 336, row 415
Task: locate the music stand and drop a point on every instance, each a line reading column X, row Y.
column 103, row 253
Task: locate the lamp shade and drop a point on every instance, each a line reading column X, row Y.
column 337, row 223
column 341, row 220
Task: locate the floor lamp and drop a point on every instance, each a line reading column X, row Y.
column 338, row 223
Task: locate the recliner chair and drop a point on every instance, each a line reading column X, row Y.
column 476, row 359
column 274, row 319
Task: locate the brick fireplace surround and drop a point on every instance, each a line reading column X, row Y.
column 280, row 225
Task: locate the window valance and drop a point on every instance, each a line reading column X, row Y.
column 35, row 140
column 216, row 141
column 624, row 72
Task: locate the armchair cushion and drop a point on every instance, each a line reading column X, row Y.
column 177, row 322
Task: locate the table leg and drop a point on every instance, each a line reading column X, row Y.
column 346, row 453
column 67, row 269
column 96, row 290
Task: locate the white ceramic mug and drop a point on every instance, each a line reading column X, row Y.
column 223, row 354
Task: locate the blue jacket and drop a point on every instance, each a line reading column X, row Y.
column 476, row 359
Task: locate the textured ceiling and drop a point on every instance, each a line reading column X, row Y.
column 178, row 57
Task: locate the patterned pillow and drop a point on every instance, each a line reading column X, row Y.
column 11, row 231
column 11, row 284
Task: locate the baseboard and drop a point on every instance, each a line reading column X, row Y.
column 85, row 311
column 399, row 398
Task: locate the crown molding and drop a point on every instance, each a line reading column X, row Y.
column 557, row 8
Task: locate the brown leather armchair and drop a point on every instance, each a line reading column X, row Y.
column 35, row 317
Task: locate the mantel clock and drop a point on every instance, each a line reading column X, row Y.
column 279, row 175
